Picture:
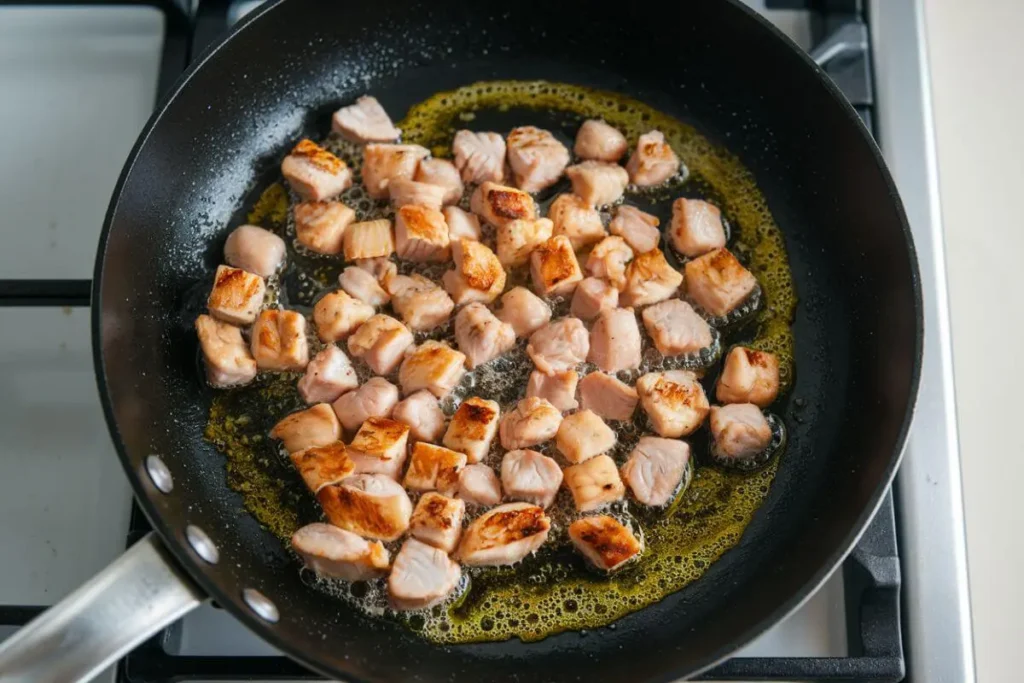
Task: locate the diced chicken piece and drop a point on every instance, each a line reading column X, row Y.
column 597, row 183
column 609, row 259
column 237, row 295
column 376, row 398
column 337, row 315
column 421, row 576
column 480, row 157
column 383, row 163
column 362, row 285
column 369, row 239
column 599, row 141
column 364, row 121
column 674, row 402
column 254, row 249
column 473, row 427
column 558, row 389
column 516, row 239
column 582, row 436
column 442, row 173
column 653, row 161
column 498, row 204
column 615, row 341
column 228, row 360
column 478, row 274
column 638, row 228
column 576, row 219
column 718, row 282
column 481, row 336
column 531, row 477
column 309, row 428
column 320, row 466
column 314, row 173
column 421, row 234
column 592, row 297
column 371, row 505
column 524, row 311
column 339, row 554
column 554, row 268
column 650, row 279
column 405, row 192
column 559, row 346
column 381, row 267
column 433, row 468
column 696, row 227
column 594, row 483
column 740, row 431
column 437, row 520
column 329, row 375
column 423, row 414
column 419, row 301
column 655, row 469
column 607, row 396
column 536, row 157
column 504, row 535
column 379, row 447
column 320, row 226
column 604, row 541
column 749, row 376
column 676, row 328
column 479, row 484
column 462, row 225
column 381, row 342
column 279, row 341
column 533, row 422
column 433, row 366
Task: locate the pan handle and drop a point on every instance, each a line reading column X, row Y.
column 134, row 597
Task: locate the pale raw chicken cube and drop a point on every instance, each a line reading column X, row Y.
column 498, row 204
column 749, row 376
column 329, row 375
column 381, row 342
column 478, row 484
column 381, row 267
column 609, row 259
column 320, row 226
column 650, row 279
column 383, row 163
column 254, row 249
column 237, row 295
column 314, row 173
column 376, row 398
column 437, row 520
column 433, row 366
column 504, row 535
column 524, row 311
column 322, row 465
column 559, row 346
column 337, row 315
column 405, row 192
column 607, row 396
column 592, row 297
column 554, row 268
column 480, row 157
column 363, row 285
column 421, row 234
column 473, row 427
column 533, row 422
column 638, row 228
column 379, row 447
column 740, row 431
column 423, row 414
column 676, row 328
column 309, row 428
column 599, row 141
column 462, row 225
column 696, row 227
column 419, row 301
column 594, row 483
column 531, row 477
column 516, row 239
column 369, row 239
column 615, row 341
column 604, row 541
column 718, row 282
column 653, row 161
column 536, row 157
column 558, row 389
column 278, row 340
column 481, row 336
column 478, row 274
column 421, row 576
column 364, row 121
column 339, row 554
column 576, row 219
column 674, row 402
column 442, row 173
column 229, row 363
column 582, row 436
column 371, row 505
column 597, row 183
column 433, row 468
column 656, row 468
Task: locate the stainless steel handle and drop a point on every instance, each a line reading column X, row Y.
column 135, row 596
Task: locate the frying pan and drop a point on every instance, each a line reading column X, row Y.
column 285, row 67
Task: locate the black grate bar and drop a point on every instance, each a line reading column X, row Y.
column 859, row 669
column 19, row 615
column 45, row 292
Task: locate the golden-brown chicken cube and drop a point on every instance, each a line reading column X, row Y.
column 478, row 274
column 433, row 366
column 383, row 163
column 473, row 427
column 604, row 541
column 227, row 358
column 749, row 376
column 718, row 282
column 320, row 226
column 315, row 426
column 421, row 234
column 379, row 447
column 372, row 505
column 279, row 341
column 437, row 520
column 434, row 468
column 650, row 279
column 498, row 204
column 314, row 173
column 504, row 535
column 554, row 268
column 576, row 219
column 322, row 465
column 674, row 402
column 582, row 436
column 516, row 239
column 653, row 161
column 237, row 295
column 337, row 315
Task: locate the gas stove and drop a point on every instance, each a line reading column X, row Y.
column 80, row 82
